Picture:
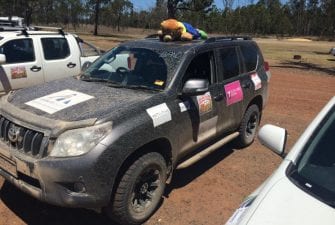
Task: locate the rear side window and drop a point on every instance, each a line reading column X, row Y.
column 18, row 51
column 88, row 50
column 250, row 55
column 230, row 62
column 55, row 48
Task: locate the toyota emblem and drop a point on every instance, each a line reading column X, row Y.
column 14, row 133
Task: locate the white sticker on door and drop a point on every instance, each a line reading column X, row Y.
column 184, row 106
column 256, row 80
column 159, row 114
column 57, row 101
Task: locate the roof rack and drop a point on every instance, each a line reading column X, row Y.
column 24, row 30
column 59, row 29
column 227, row 38
column 10, row 28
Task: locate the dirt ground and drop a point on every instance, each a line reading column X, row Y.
column 208, row 192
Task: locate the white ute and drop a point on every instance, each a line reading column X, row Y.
column 30, row 57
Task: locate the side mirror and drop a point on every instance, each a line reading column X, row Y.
column 195, row 87
column 2, row 59
column 85, row 66
column 274, row 138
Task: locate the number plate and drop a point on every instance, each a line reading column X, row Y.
column 8, row 166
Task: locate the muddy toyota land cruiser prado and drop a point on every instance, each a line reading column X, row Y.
column 111, row 138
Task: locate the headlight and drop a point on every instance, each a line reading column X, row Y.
column 79, row 141
column 239, row 213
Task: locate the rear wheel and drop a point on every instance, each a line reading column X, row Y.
column 248, row 127
column 140, row 190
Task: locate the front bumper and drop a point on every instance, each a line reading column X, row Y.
column 69, row 182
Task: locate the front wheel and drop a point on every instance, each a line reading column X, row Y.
column 248, row 127
column 140, row 190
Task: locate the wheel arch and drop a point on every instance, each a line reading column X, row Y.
column 159, row 145
column 258, row 100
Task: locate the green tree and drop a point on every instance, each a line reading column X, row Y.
column 187, row 5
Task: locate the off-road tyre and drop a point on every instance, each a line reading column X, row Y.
column 248, row 127
column 139, row 191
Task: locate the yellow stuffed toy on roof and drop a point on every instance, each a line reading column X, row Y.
column 174, row 30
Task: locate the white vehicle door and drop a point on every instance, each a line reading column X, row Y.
column 23, row 65
column 60, row 57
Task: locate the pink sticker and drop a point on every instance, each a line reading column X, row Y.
column 234, row 92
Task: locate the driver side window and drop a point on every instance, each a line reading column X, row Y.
column 200, row 68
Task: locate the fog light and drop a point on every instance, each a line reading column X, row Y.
column 79, row 187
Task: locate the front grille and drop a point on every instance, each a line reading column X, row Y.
column 25, row 140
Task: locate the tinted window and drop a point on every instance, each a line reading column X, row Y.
column 55, row 48
column 230, row 62
column 18, row 51
column 130, row 67
column 200, row 68
column 250, row 55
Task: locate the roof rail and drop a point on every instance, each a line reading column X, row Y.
column 10, row 28
column 59, row 29
column 34, row 28
column 227, row 38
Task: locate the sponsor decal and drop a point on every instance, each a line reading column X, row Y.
column 184, row 106
column 60, row 100
column 234, row 92
column 159, row 82
column 256, row 80
column 159, row 114
column 18, row 72
column 205, row 103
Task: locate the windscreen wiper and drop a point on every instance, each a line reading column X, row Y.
column 141, row 87
column 110, row 82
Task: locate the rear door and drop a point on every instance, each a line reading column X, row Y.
column 251, row 77
column 231, row 88
column 60, row 57
column 23, row 65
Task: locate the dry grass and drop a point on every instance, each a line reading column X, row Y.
column 314, row 54
column 279, row 52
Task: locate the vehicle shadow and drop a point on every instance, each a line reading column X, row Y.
column 321, row 53
column 34, row 212
column 305, row 66
column 182, row 177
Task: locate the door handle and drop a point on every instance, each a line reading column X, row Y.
column 71, row 65
column 246, row 85
column 35, row 68
column 218, row 97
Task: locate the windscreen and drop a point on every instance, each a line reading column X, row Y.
column 134, row 67
column 315, row 171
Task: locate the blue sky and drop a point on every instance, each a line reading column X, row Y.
column 145, row 4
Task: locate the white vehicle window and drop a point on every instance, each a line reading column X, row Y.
column 55, row 48
column 18, row 51
column 88, row 50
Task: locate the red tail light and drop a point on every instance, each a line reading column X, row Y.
column 266, row 66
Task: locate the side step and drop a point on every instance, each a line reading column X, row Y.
column 207, row 151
